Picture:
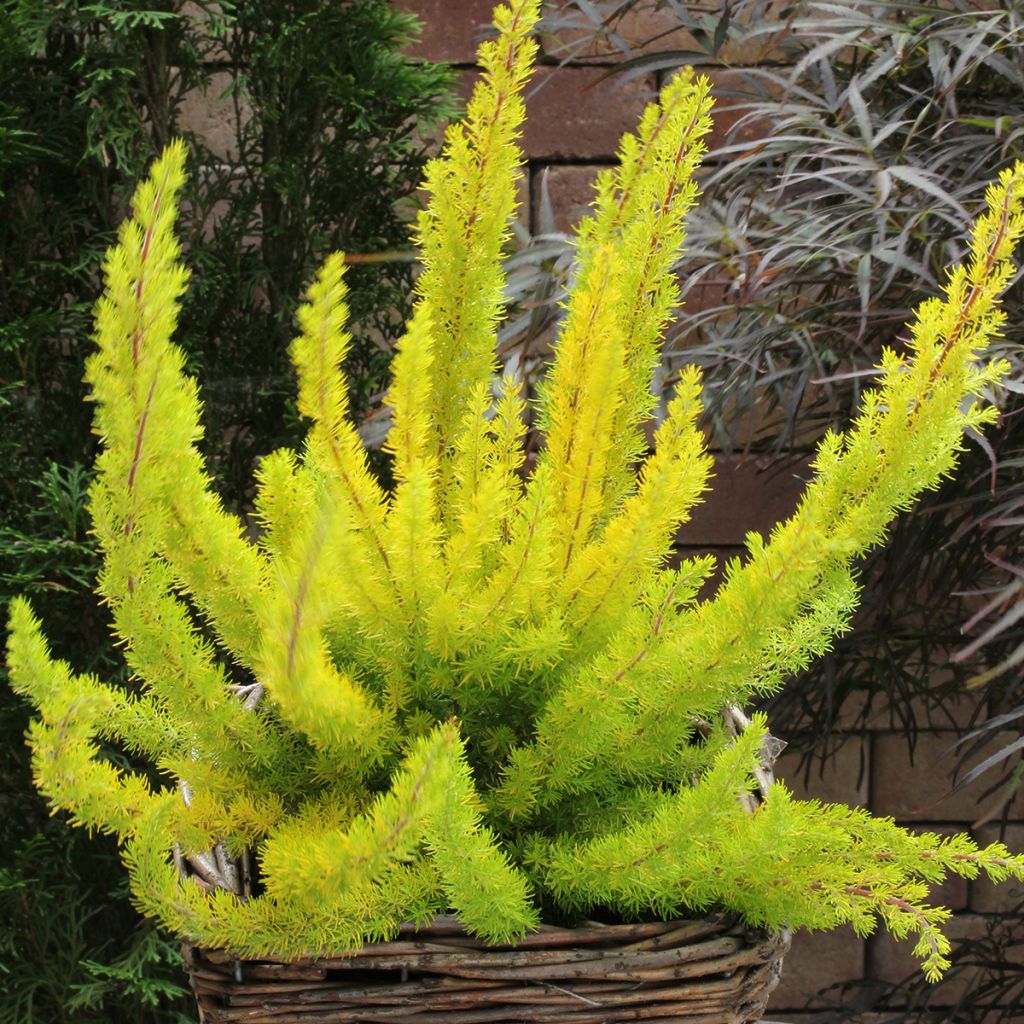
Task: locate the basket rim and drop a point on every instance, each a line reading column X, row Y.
column 446, row 933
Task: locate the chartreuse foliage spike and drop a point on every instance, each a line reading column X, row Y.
column 159, row 524
column 314, row 695
column 485, row 690
column 413, row 533
column 333, row 447
column 639, row 210
column 582, row 396
column 462, row 232
column 432, row 799
column 794, row 593
column 74, row 711
column 148, row 413
column 695, row 850
column 325, row 519
column 605, row 577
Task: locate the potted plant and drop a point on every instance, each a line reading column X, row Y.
column 466, row 747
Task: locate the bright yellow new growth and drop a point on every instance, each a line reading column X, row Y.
column 462, row 232
column 148, row 413
column 333, row 560
column 413, row 530
column 77, row 710
column 583, row 394
column 315, row 696
column 639, row 210
column 488, row 682
column 611, row 569
column 333, row 448
column 794, row 593
column 159, row 524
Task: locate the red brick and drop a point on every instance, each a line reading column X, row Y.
column 701, row 293
column 571, row 34
column 572, row 114
column 850, row 716
column 952, row 893
column 816, row 961
column 733, row 92
column 577, row 113
column 841, row 778
column 941, row 711
column 524, row 190
column 954, row 711
column 451, row 30
column 921, row 788
column 751, row 421
column 747, row 493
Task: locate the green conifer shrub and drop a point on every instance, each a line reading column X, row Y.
column 486, row 690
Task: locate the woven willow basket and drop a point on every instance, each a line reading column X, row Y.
column 699, row 972
column 709, row 971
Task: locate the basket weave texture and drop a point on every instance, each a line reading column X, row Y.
column 709, row 971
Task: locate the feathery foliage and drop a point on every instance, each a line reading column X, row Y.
column 487, row 691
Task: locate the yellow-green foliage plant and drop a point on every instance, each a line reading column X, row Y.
column 484, row 690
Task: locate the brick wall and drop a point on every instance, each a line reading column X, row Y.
column 575, row 121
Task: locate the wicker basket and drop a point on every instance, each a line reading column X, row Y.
column 710, row 971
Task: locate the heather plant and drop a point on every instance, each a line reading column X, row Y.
column 486, row 689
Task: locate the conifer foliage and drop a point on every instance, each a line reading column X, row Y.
column 484, row 690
